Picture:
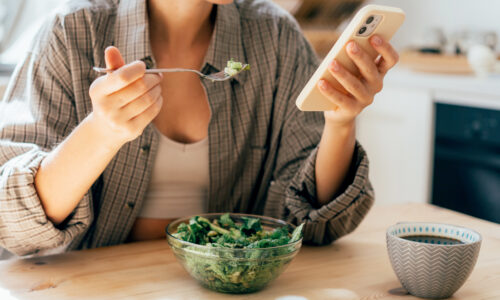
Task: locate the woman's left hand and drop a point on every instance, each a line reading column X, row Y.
column 362, row 89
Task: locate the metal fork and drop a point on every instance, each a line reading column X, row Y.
column 219, row 76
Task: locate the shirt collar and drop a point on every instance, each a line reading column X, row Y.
column 132, row 35
column 226, row 42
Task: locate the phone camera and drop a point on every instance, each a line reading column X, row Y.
column 369, row 20
column 362, row 30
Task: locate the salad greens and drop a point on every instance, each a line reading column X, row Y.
column 226, row 233
column 234, row 67
column 241, row 255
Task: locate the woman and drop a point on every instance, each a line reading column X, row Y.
column 98, row 161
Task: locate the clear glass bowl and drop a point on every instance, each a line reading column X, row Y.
column 229, row 270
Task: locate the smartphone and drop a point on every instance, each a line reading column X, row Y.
column 371, row 19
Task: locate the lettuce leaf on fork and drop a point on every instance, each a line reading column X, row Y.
column 234, row 67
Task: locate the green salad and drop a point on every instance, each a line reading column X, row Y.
column 226, row 233
column 234, row 67
column 241, row 256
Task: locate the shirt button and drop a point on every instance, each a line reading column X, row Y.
column 130, row 204
column 148, row 61
column 145, row 149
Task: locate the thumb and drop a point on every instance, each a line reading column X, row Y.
column 113, row 58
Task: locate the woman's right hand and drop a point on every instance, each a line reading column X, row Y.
column 126, row 100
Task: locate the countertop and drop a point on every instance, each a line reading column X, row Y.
column 468, row 90
column 354, row 267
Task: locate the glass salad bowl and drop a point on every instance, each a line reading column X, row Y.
column 233, row 270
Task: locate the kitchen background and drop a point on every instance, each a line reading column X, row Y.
column 433, row 134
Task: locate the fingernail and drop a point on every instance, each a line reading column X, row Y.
column 322, row 84
column 335, row 66
column 376, row 40
column 353, row 47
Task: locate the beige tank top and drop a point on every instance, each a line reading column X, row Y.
column 179, row 181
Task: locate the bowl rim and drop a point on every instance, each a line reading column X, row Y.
column 183, row 219
column 389, row 234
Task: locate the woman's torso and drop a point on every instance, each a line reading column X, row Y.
column 184, row 118
column 178, row 187
column 247, row 114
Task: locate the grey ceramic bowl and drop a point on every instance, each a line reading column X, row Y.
column 431, row 267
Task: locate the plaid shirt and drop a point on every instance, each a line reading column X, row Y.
column 262, row 148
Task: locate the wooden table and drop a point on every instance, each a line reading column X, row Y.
column 355, row 267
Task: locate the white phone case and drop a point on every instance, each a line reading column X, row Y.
column 311, row 99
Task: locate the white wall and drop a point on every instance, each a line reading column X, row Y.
column 451, row 15
column 397, row 129
column 20, row 27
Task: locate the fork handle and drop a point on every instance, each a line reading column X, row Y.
column 172, row 70
column 153, row 71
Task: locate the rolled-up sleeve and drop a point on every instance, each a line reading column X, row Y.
column 36, row 113
column 294, row 180
column 342, row 214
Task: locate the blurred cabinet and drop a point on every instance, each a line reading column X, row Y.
column 396, row 131
column 320, row 19
column 322, row 40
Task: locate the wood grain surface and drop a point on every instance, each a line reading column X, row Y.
column 435, row 63
column 355, row 267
